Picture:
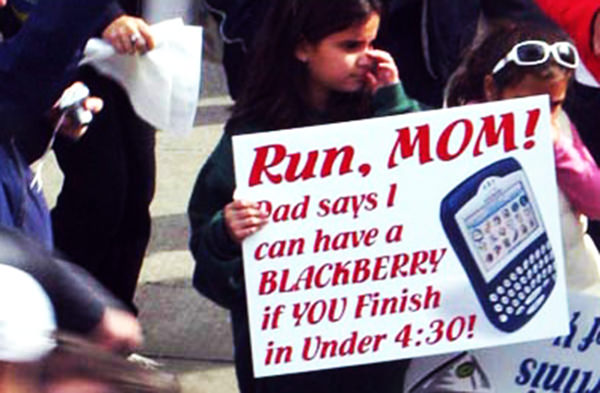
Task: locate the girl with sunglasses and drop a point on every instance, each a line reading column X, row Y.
column 512, row 61
column 517, row 60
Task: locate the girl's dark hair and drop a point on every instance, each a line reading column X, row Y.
column 274, row 91
column 467, row 84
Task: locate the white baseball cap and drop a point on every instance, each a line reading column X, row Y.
column 27, row 320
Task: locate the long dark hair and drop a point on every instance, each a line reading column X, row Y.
column 467, row 85
column 274, row 93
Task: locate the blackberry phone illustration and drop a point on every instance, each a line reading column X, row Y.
column 494, row 225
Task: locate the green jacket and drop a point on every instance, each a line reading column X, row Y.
column 219, row 274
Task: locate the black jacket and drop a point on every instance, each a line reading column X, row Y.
column 427, row 37
column 10, row 25
column 120, row 7
column 131, row 7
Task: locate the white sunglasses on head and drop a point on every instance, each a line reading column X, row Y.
column 534, row 52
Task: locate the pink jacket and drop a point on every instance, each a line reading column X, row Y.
column 577, row 174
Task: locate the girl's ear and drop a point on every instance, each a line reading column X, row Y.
column 302, row 51
column 489, row 88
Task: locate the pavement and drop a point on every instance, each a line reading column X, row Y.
column 189, row 335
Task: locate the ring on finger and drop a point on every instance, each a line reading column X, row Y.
column 134, row 38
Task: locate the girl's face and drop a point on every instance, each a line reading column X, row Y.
column 339, row 62
column 554, row 85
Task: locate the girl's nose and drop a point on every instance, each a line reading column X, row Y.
column 364, row 60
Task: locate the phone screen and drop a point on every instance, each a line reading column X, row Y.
column 499, row 222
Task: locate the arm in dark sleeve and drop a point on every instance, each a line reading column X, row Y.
column 118, row 8
column 32, row 133
column 9, row 24
column 218, row 272
column 78, row 305
column 113, row 11
column 36, row 64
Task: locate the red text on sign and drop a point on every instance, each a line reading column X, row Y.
column 460, row 137
column 273, row 163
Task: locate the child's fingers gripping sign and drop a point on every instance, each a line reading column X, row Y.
column 243, row 218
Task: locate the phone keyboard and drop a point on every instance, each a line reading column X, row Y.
column 524, row 290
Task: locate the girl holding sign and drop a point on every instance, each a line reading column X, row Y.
column 517, row 60
column 313, row 63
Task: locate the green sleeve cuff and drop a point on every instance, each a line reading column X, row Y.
column 392, row 100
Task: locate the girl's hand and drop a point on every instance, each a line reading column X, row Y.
column 128, row 34
column 243, row 218
column 384, row 71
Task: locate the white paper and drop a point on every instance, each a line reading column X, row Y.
column 163, row 84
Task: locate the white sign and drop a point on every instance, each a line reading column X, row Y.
column 402, row 236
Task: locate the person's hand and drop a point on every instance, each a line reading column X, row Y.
column 383, row 72
column 243, row 218
column 67, row 124
column 128, row 34
column 118, row 331
column 75, row 130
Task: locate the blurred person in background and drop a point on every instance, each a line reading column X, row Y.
column 77, row 366
column 34, row 358
column 26, row 329
column 36, row 65
column 101, row 220
column 80, row 304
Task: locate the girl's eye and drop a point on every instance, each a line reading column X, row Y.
column 351, row 45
